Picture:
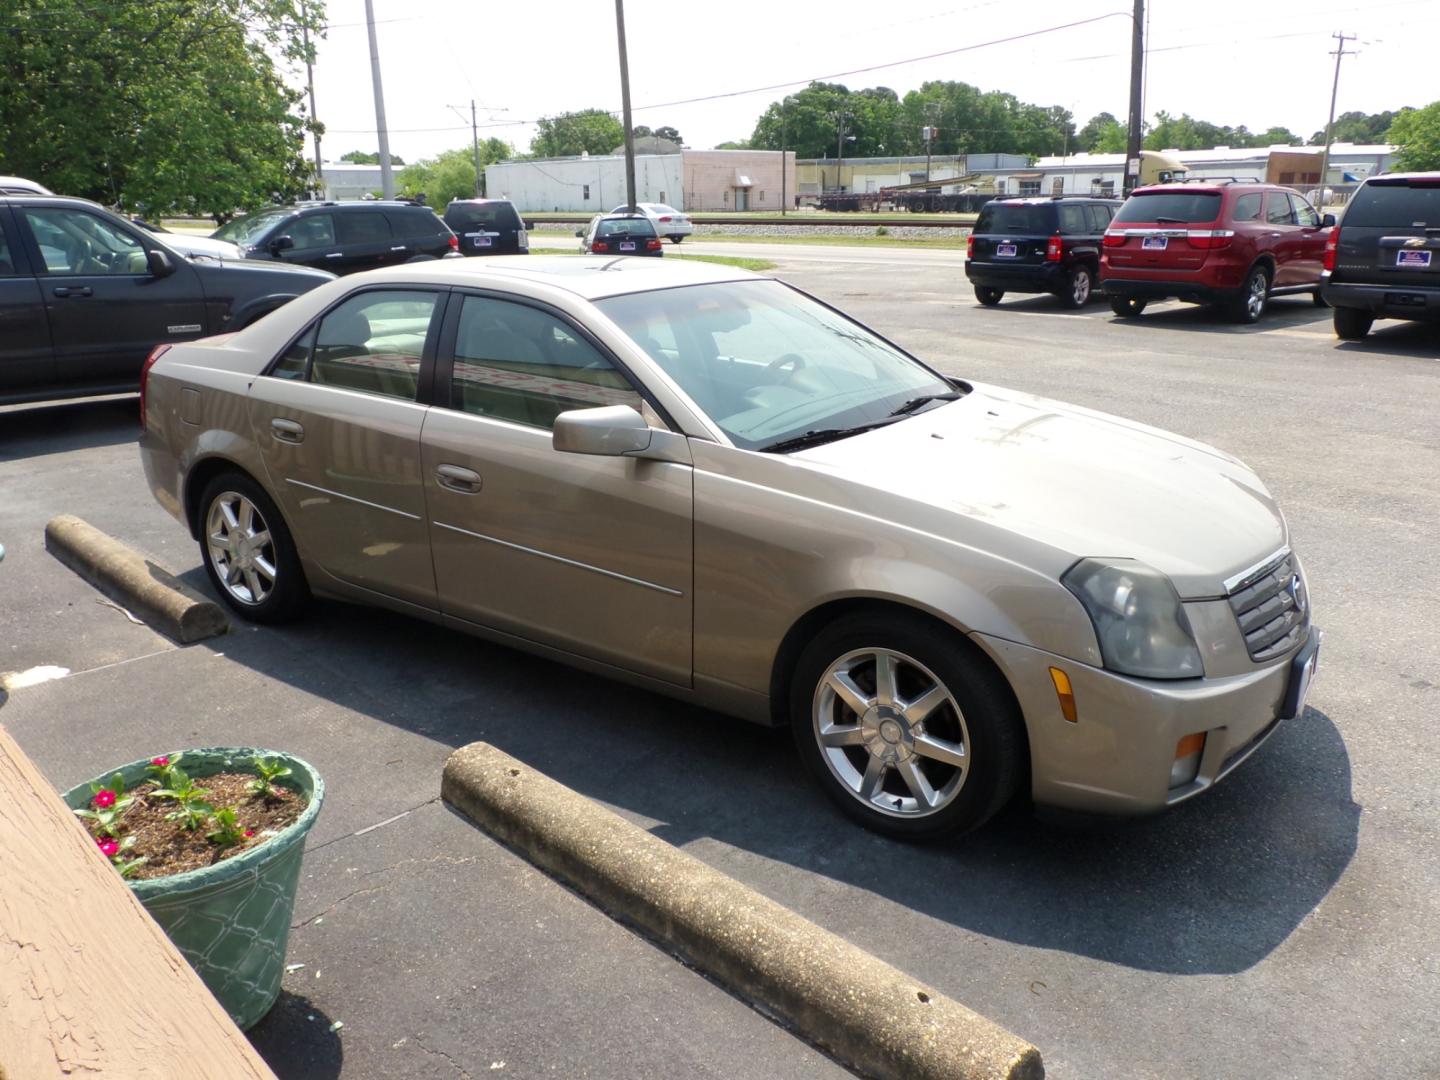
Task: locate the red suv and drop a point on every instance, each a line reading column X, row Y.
column 1226, row 242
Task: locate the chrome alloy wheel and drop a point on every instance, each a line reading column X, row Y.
column 1080, row 287
column 891, row 733
column 240, row 547
column 1256, row 295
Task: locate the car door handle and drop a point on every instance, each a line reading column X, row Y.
column 287, row 430
column 402, row 247
column 73, row 290
column 465, row 481
column 335, row 255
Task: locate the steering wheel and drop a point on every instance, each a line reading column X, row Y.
column 793, row 360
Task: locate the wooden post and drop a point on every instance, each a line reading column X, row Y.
column 89, row 984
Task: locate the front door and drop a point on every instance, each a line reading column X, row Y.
column 338, row 425
column 105, row 308
column 26, row 361
column 593, row 555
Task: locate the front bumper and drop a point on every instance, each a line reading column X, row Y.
column 1116, row 758
column 1401, row 301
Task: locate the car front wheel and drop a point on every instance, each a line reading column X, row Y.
column 911, row 733
column 247, row 551
column 989, row 296
column 676, row 239
column 1352, row 324
column 1127, row 307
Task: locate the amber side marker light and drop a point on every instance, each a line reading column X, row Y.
column 1065, row 694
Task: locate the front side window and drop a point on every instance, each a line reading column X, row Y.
column 247, row 231
column 373, row 343
column 522, row 364
column 767, row 363
column 1277, row 209
column 1304, row 213
column 73, row 242
column 7, row 261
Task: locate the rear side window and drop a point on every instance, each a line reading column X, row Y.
column 1247, row 208
column 373, row 343
column 491, row 215
column 364, row 227
column 1099, row 217
column 413, row 225
column 1072, row 219
column 1183, row 207
column 7, row 262
column 1397, row 206
column 1016, row 218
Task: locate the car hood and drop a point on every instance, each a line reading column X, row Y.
column 202, row 246
column 263, row 274
column 1073, row 482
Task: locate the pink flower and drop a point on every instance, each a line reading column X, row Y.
column 104, row 799
column 108, row 848
column 249, row 832
column 160, row 762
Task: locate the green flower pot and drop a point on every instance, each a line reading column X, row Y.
column 230, row 920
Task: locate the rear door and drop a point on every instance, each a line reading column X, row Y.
column 104, row 307
column 366, row 241
column 338, row 420
column 26, row 360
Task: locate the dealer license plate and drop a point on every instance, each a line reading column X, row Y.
column 1412, row 260
column 1154, row 243
column 483, row 241
column 627, row 247
column 1006, row 251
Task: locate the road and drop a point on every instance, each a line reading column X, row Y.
column 1284, row 925
column 793, row 254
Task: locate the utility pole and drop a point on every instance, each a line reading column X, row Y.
column 1137, row 83
column 840, row 117
column 931, row 108
column 625, row 108
column 310, row 83
column 1341, row 37
column 475, row 140
column 387, row 178
column 784, row 195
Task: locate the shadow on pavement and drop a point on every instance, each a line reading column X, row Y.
column 1282, row 312
column 1394, row 338
column 1211, row 887
column 296, row 1042
column 35, row 431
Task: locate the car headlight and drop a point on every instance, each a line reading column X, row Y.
column 1138, row 617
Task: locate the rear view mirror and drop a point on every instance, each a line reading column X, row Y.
column 1327, row 220
column 607, row 431
column 282, row 243
column 159, row 263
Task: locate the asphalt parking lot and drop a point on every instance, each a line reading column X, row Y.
column 1285, row 925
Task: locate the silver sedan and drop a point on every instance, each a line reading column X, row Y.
column 712, row 485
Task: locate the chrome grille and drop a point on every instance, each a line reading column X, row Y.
column 1272, row 609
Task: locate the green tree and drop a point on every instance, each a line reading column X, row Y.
column 360, row 157
column 669, row 133
column 450, row 175
column 734, row 144
column 1359, row 127
column 1278, row 136
column 170, row 105
column 806, row 122
column 591, row 131
column 1417, row 134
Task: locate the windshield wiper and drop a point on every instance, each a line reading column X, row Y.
column 823, row 435
column 1170, row 220
column 915, row 403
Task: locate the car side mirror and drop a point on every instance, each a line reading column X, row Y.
column 607, row 431
column 1327, row 220
column 159, row 263
column 282, row 243
column 580, row 233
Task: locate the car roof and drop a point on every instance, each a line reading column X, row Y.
column 452, row 202
column 590, row 277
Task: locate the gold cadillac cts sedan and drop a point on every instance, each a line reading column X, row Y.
column 711, row 484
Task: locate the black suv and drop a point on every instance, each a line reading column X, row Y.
column 1038, row 246
column 341, row 237
column 85, row 296
column 1383, row 259
column 488, row 227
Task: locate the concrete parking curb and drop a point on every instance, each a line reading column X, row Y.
column 866, row 1013
column 153, row 593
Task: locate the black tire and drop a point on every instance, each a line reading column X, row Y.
column 289, row 593
column 421, row 258
column 676, row 239
column 1079, row 288
column 979, row 714
column 1352, row 324
column 1127, row 307
column 1254, row 298
column 988, row 295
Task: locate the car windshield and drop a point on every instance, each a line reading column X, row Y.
column 1178, row 206
column 248, row 229
column 767, row 363
column 624, row 227
column 1016, row 217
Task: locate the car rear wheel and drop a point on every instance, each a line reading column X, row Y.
column 907, row 729
column 676, row 239
column 247, row 550
column 1254, row 296
column 988, row 296
column 1127, row 307
column 1352, row 324
column 1078, row 288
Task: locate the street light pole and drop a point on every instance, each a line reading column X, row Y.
column 475, row 142
column 1341, row 37
column 387, row 178
column 625, row 108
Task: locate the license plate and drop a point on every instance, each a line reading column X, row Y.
column 1302, row 675
column 1154, row 243
column 627, row 247
column 482, row 241
column 1006, row 251
column 1412, row 260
